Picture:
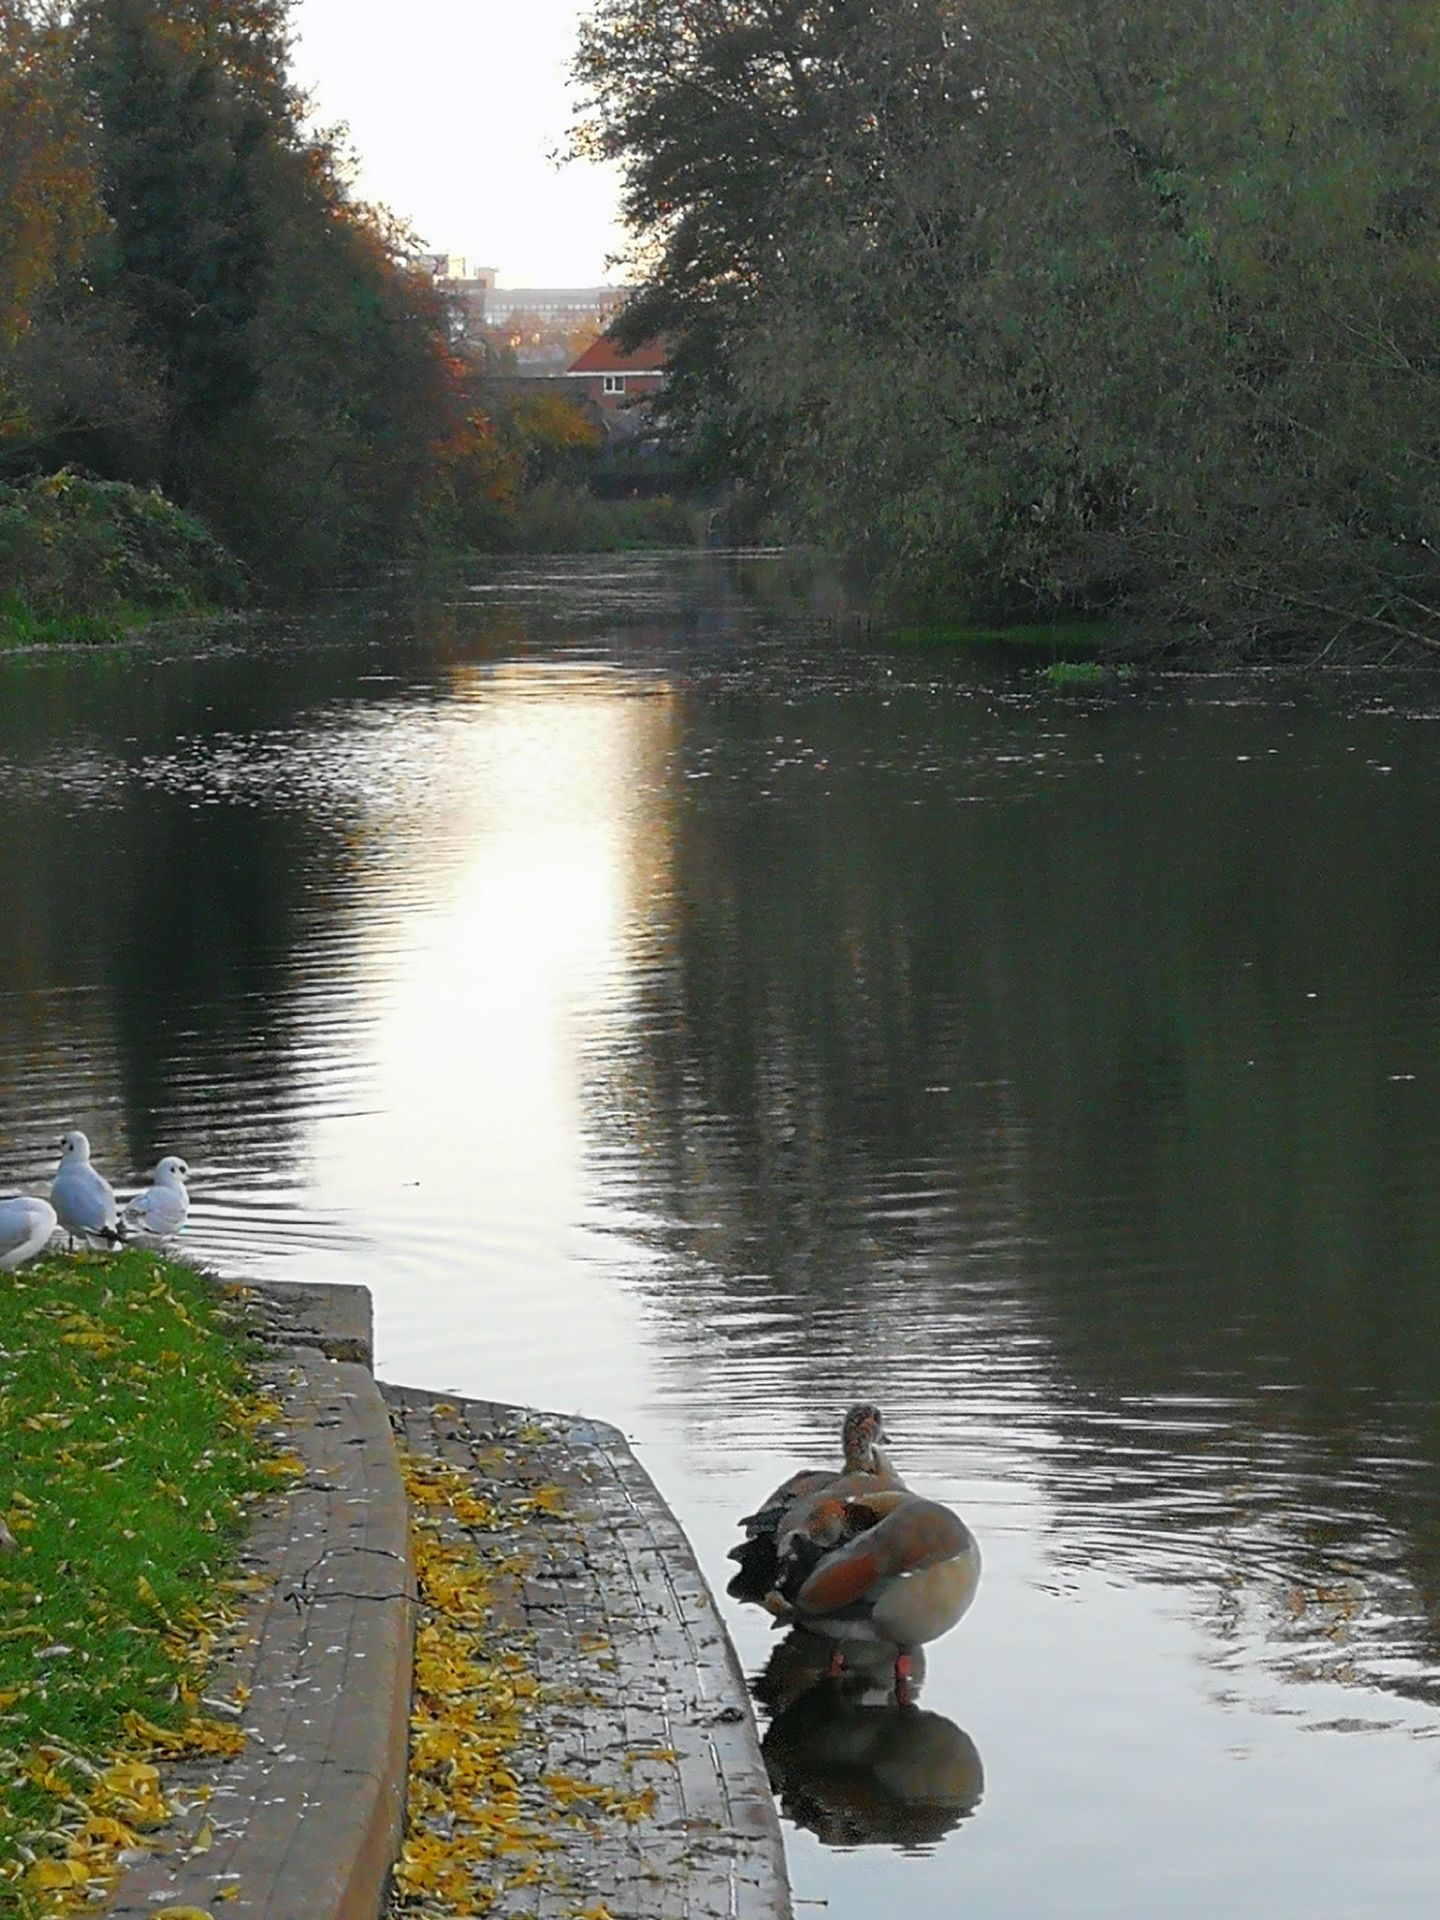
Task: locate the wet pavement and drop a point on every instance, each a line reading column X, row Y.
column 580, row 1738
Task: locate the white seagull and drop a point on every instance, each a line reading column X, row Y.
column 25, row 1229
column 161, row 1210
column 83, row 1199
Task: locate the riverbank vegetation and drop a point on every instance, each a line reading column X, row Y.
column 1052, row 308
column 130, row 1457
column 86, row 559
column 534, row 477
column 195, row 305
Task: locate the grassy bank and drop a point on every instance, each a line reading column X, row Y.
column 130, row 1459
column 87, row 561
column 1070, row 655
column 20, row 626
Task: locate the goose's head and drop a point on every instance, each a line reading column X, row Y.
column 862, row 1437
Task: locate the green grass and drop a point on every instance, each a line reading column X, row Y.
column 1088, row 676
column 21, row 627
column 1077, row 673
column 129, row 1461
column 1064, row 639
column 553, row 519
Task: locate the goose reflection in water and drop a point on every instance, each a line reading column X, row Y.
column 850, row 1763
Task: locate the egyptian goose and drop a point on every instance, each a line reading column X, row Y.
column 161, row 1210
column 888, row 1569
column 25, row 1229
column 865, row 1469
column 82, row 1198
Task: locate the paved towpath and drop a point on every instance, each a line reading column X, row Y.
column 636, row 1751
column 580, row 1735
column 303, row 1822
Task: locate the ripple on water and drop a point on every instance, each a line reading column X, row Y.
column 704, row 1018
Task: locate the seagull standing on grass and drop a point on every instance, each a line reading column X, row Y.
column 25, row 1229
column 160, row 1210
column 83, row 1199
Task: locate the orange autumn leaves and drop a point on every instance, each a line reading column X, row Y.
column 48, row 208
column 484, row 1816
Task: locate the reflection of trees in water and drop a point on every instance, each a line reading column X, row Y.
column 851, row 1765
column 161, row 938
column 1122, row 992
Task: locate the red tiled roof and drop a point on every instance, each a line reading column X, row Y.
column 603, row 356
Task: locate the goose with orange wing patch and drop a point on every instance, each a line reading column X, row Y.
column 889, row 1569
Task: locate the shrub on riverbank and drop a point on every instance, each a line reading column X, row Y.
column 554, row 518
column 130, row 1456
column 83, row 559
column 533, row 474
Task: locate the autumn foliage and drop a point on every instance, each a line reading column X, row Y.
column 48, row 205
column 190, row 297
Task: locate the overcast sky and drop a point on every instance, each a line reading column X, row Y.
column 454, row 107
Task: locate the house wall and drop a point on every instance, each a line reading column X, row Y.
column 636, row 387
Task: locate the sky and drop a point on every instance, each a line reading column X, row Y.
column 454, row 108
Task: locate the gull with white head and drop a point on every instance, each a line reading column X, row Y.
column 83, row 1199
column 160, row 1210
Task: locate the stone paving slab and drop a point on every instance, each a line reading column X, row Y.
column 639, row 1677
column 303, row 1824
column 339, row 1320
column 638, row 1673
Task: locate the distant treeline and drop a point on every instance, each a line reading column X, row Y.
column 192, row 301
column 1056, row 305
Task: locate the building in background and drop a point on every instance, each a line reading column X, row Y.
column 465, row 290
column 542, row 327
column 617, row 390
column 545, row 327
column 455, row 269
column 556, row 306
column 617, row 382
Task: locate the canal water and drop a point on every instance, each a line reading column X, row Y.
column 680, row 1002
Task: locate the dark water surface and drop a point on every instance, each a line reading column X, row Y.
column 701, row 1015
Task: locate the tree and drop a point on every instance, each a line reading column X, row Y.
column 730, row 118
column 1062, row 306
column 301, row 363
column 48, row 208
column 362, row 398
column 180, row 137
